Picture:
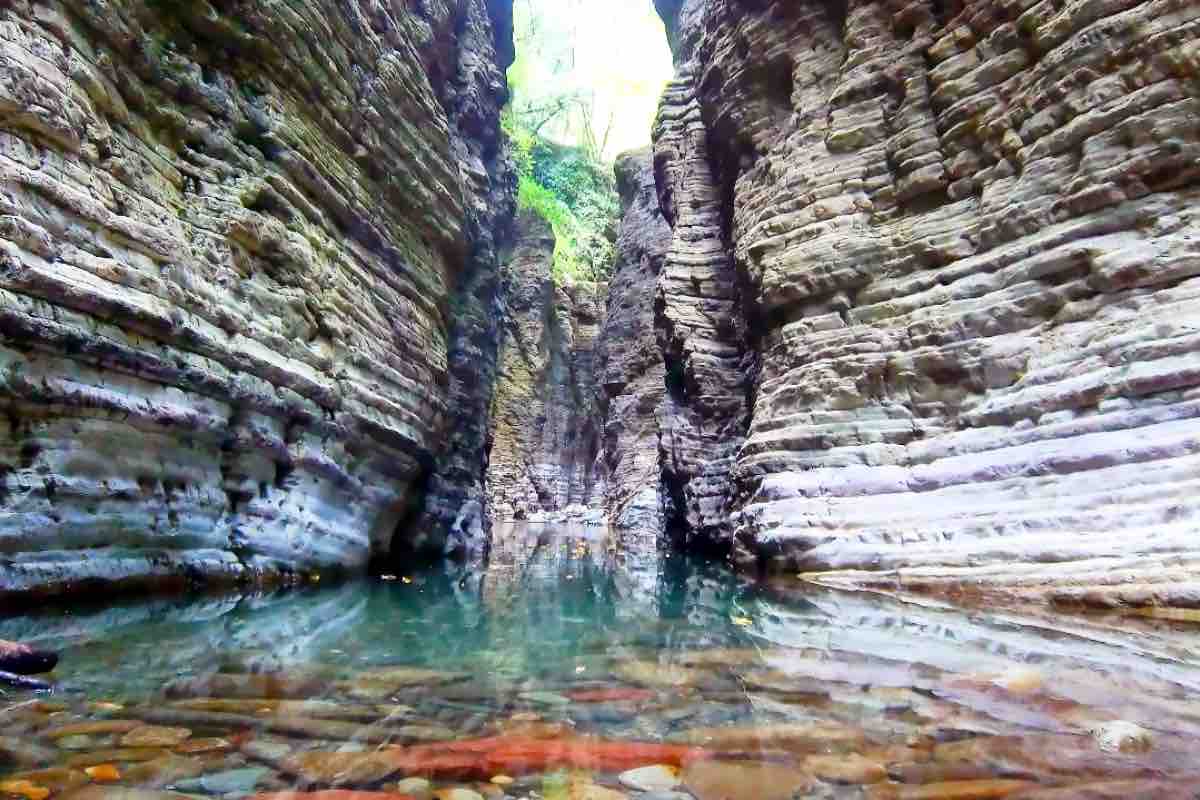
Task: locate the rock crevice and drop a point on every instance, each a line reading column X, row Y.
column 631, row 377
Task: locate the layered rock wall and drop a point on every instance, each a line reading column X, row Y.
column 631, row 373
column 964, row 239
column 229, row 237
column 454, row 517
column 545, row 454
column 701, row 323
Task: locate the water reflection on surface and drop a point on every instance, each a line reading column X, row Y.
column 573, row 659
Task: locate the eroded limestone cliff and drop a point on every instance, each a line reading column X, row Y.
column 230, row 238
column 545, row 418
column 631, row 373
column 932, row 306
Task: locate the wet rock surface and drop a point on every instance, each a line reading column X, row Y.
column 929, row 312
column 556, row 675
column 230, row 241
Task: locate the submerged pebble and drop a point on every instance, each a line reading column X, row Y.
column 155, row 736
column 240, row 781
column 729, row 780
column 658, row 777
column 1122, row 736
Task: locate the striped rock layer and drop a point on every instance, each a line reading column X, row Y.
column 955, row 250
column 631, row 374
column 545, row 420
column 230, row 235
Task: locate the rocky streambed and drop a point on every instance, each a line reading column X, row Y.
column 576, row 666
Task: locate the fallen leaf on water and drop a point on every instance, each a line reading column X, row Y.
column 742, row 622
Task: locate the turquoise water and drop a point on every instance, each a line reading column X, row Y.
column 569, row 659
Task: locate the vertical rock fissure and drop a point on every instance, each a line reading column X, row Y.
column 632, row 378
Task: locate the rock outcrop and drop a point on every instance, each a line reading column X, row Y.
column 546, row 424
column 702, row 327
column 455, row 518
column 963, row 237
column 229, row 239
column 631, row 374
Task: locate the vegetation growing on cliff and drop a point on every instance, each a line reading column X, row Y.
column 575, row 194
column 573, row 108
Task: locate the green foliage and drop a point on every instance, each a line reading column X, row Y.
column 589, row 73
column 532, row 196
column 521, row 139
column 574, row 194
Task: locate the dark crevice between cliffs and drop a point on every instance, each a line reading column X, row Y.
column 400, row 543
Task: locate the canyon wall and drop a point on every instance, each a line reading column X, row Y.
column 546, row 425
column 631, row 374
column 232, row 238
column 932, row 305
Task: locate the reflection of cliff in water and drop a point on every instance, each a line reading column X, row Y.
column 159, row 638
column 559, row 606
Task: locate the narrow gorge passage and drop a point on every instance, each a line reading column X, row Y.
column 599, row 399
column 895, row 296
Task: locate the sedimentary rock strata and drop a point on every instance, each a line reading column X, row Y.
column 965, row 238
column 702, row 328
column 228, row 239
column 454, row 517
column 631, row 374
column 545, row 419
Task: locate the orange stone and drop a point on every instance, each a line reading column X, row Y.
column 523, row 757
column 57, row 779
column 850, row 768
column 26, row 789
column 515, row 755
column 319, row 767
column 104, row 773
column 743, row 780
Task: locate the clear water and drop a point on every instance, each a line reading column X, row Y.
column 562, row 665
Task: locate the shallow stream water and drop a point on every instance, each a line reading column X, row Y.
column 573, row 668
